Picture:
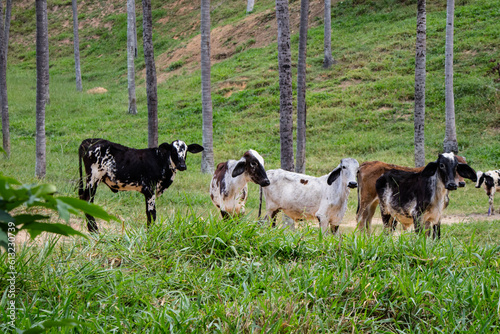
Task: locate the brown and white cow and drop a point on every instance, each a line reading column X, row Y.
column 149, row 171
column 229, row 189
column 416, row 198
column 368, row 201
column 491, row 183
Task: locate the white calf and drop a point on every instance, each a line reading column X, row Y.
column 229, row 190
column 301, row 196
column 491, row 181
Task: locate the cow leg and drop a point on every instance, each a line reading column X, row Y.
column 491, row 210
column 150, row 206
column 366, row 215
column 89, row 195
column 386, row 220
column 436, row 231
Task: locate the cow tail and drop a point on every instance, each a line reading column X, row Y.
column 260, row 202
column 80, row 182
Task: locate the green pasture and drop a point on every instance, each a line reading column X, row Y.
column 192, row 272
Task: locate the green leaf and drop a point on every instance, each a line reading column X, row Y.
column 48, row 324
column 88, row 208
column 4, row 240
column 27, row 218
column 34, row 229
column 43, row 190
column 6, row 217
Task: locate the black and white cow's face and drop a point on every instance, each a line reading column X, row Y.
column 447, row 167
column 348, row 169
column 178, row 151
column 252, row 163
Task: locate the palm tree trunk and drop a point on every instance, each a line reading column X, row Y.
column 132, row 105
column 150, row 74
column 207, row 159
column 76, row 46
column 450, row 143
column 4, row 104
column 285, row 80
column 420, row 56
column 250, row 4
column 300, row 165
column 328, row 61
column 42, row 84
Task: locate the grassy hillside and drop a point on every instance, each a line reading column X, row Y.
column 192, row 272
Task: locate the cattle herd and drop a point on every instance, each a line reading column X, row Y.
column 410, row 196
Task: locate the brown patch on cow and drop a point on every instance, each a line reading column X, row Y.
column 304, row 182
column 219, row 174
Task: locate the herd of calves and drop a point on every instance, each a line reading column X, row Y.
column 410, row 196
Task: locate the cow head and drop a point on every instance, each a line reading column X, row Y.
column 447, row 167
column 252, row 164
column 178, row 150
column 348, row 168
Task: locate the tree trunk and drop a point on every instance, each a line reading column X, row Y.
column 132, row 105
column 4, row 103
column 207, row 159
column 328, row 61
column 420, row 56
column 300, row 166
column 150, row 74
column 450, row 143
column 76, row 45
column 285, row 80
column 42, row 83
column 250, row 4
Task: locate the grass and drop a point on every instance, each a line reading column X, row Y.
column 194, row 273
column 200, row 274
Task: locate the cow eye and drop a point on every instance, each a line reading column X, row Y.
column 343, row 167
column 253, row 164
column 441, row 166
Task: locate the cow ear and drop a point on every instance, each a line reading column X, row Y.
column 333, row 175
column 467, row 172
column 239, row 169
column 430, row 169
column 195, row 148
column 165, row 146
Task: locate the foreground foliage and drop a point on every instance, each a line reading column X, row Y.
column 188, row 275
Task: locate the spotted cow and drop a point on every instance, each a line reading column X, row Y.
column 413, row 198
column 149, row 171
column 229, row 190
column 491, row 183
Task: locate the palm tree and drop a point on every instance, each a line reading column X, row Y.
column 420, row 55
column 4, row 103
column 450, row 140
column 207, row 159
column 42, row 83
column 76, row 46
column 149, row 59
column 131, row 48
column 328, row 61
column 300, row 165
column 285, row 80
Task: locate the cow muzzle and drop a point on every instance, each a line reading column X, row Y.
column 264, row 183
column 461, row 184
column 451, row 186
column 181, row 167
column 352, row 185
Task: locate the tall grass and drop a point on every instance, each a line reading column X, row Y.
column 192, row 274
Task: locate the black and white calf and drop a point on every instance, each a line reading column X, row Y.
column 229, row 190
column 149, row 171
column 416, row 197
column 491, row 183
column 301, row 196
